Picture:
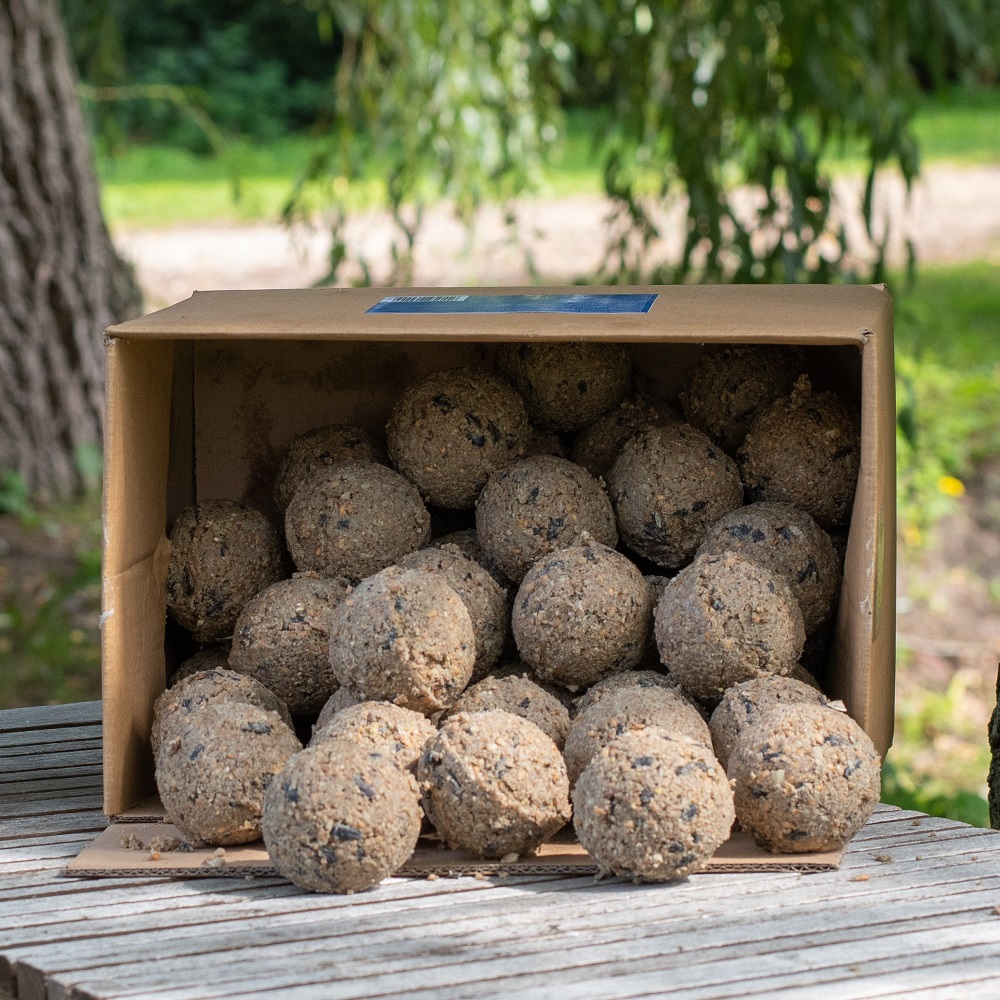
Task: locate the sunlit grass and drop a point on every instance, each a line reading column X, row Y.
column 947, row 387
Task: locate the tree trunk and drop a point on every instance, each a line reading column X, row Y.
column 994, row 776
column 61, row 281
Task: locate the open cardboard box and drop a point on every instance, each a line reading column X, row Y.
column 203, row 397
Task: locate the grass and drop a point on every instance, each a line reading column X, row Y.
column 940, row 756
column 50, row 595
column 960, row 126
column 948, row 382
column 150, row 185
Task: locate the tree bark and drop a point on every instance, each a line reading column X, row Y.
column 994, row 777
column 61, row 281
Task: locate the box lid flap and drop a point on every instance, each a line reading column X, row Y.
column 699, row 313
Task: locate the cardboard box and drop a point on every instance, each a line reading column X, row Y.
column 203, row 397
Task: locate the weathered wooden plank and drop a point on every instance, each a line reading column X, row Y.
column 324, row 931
column 397, row 893
column 940, row 981
column 956, row 847
column 859, row 980
column 38, row 804
column 58, row 889
column 58, row 761
column 891, row 833
column 352, row 955
column 611, row 973
column 879, row 848
column 80, row 713
column 88, row 778
column 147, row 897
column 467, row 938
column 85, row 820
column 404, row 895
column 39, row 858
column 967, row 979
column 464, row 968
column 928, row 835
column 47, row 739
column 45, row 838
column 884, row 811
column 938, row 849
column 244, row 916
column 50, row 749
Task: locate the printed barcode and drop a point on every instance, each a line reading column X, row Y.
column 426, row 298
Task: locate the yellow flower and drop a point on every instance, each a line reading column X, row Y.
column 911, row 535
column 951, row 486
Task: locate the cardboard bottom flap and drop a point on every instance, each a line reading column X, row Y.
column 143, row 847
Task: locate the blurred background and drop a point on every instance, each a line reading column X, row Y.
column 254, row 143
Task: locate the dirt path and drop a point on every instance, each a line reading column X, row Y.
column 953, row 214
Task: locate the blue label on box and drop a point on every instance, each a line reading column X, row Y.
column 601, row 305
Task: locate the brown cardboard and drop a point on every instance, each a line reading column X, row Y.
column 202, row 398
column 563, row 855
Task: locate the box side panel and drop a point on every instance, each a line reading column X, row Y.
column 180, row 471
column 136, row 554
column 252, row 397
column 864, row 642
column 882, row 674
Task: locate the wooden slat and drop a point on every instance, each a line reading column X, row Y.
column 608, row 974
column 88, row 778
column 39, row 804
column 976, row 871
column 36, row 750
column 82, row 820
column 81, row 713
column 48, row 738
column 465, row 940
column 466, row 965
column 968, row 979
column 285, row 938
column 15, row 862
column 58, row 761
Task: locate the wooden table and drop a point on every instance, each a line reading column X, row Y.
column 914, row 912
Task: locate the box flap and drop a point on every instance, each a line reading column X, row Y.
column 108, row 857
column 697, row 313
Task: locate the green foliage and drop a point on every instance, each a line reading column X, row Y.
column 734, row 107
column 459, row 100
column 947, row 387
column 940, row 756
column 900, row 789
column 252, row 67
column 960, row 125
column 15, row 497
column 955, row 40
column 49, row 602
